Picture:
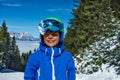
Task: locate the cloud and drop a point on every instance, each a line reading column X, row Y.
column 54, row 10
column 11, row 5
column 2, row 0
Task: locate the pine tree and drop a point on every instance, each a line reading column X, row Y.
column 94, row 21
column 114, row 58
column 15, row 63
column 1, row 61
column 1, row 52
column 5, row 44
column 4, row 35
column 116, row 8
column 24, row 58
column 11, row 57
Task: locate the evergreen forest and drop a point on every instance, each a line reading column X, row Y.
column 10, row 57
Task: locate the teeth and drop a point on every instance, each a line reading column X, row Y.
column 50, row 41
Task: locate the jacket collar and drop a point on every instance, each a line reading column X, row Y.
column 48, row 50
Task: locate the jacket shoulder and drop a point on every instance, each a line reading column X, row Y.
column 36, row 53
column 35, row 56
column 68, row 54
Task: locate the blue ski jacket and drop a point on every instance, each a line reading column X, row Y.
column 50, row 63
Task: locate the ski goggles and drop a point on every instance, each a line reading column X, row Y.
column 51, row 25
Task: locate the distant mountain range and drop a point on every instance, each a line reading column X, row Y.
column 24, row 36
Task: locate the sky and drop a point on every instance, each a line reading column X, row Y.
column 25, row 15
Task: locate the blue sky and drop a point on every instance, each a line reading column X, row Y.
column 25, row 15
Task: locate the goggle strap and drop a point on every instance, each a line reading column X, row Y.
column 53, row 18
column 41, row 30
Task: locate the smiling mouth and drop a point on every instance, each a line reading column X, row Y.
column 50, row 41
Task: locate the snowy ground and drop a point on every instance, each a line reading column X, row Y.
column 14, row 76
column 106, row 74
column 11, row 76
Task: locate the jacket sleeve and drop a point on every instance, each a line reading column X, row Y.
column 31, row 68
column 71, row 69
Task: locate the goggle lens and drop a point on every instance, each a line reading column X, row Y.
column 47, row 23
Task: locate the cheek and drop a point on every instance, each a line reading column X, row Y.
column 57, row 40
column 44, row 39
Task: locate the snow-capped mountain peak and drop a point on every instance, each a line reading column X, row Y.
column 23, row 36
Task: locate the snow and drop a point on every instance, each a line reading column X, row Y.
column 107, row 74
column 12, row 76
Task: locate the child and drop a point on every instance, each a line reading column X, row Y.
column 51, row 61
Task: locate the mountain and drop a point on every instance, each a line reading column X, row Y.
column 24, row 36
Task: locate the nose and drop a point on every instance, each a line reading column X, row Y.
column 49, row 36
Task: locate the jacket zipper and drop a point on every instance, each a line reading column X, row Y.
column 38, row 71
column 53, row 67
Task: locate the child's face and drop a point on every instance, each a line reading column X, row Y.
column 51, row 39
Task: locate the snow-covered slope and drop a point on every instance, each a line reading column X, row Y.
column 12, row 76
column 106, row 74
